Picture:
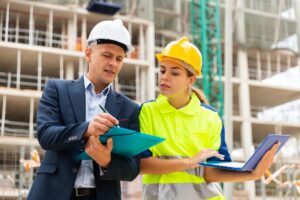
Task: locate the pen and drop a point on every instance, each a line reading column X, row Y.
column 105, row 111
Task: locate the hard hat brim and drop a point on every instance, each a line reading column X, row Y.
column 161, row 57
column 90, row 43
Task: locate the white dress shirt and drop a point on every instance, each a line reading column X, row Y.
column 85, row 176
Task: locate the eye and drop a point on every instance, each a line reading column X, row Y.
column 162, row 71
column 119, row 59
column 106, row 55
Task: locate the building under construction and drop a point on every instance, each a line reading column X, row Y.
column 251, row 74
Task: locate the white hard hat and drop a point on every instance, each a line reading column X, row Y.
column 111, row 32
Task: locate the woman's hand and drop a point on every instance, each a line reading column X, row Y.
column 202, row 156
column 265, row 163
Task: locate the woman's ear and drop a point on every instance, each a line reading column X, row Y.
column 192, row 80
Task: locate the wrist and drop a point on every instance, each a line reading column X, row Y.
column 105, row 163
column 187, row 163
column 255, row 175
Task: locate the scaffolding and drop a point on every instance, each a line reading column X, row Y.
column 43, row 41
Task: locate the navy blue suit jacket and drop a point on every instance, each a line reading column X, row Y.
column 61, row 126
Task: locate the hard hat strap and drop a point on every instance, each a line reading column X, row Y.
column 106, row 41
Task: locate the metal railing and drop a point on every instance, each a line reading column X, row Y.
column 10, row 80
column 18, row 129
column 40, row 38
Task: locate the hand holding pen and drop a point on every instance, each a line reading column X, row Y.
column 101, row 124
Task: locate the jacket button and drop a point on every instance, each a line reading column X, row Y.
column 74, row 170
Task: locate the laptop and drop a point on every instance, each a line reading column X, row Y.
column 251, row 163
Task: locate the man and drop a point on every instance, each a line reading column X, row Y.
column 70, row 119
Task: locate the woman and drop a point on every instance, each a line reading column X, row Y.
column 193, row 132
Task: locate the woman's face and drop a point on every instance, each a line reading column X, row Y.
column 174, row 79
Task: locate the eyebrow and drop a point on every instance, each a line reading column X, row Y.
column 171, row 67
column 108, row 52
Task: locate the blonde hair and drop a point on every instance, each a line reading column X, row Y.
column 200, row 94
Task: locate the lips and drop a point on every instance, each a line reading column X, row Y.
column 164, row 86
column 109, row 71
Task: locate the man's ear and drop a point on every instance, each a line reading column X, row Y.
column 88, row 53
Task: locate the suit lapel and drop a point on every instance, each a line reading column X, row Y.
column 77, row 98
column 113, row 103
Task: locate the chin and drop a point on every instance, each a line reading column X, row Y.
column 107, row 80
column 167, row 94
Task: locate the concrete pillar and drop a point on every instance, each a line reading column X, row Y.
column 18, row 69
column 31, row 117
column 177, row 10
column 151, row 60
column 147, row 11
column 244, row 94
column 3, row 115
column 228, row 102
column 72, row 32
column 6, row 22
column 259, row 70
column 141, row 50
column 83, row 34
column 21, row 173
column 116, row 84
column 245, row 112
column 50, row 27
column 81, row 70
column 144, row 86
column 297, row 12
column 1, row 24
column 31, row 26
column 137, row 84
column 17, row 28
column 278, row 63
column 31, row 170
column 39, row 72
column 69, row 71
column 61, row 67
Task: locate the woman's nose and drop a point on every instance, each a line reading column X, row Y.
column 165, row 76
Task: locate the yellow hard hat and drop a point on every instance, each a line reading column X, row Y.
column 184, row 51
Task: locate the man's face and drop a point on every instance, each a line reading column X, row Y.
column 105, row 62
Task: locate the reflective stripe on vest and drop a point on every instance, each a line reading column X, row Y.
column 179, row 191
column 200, row 191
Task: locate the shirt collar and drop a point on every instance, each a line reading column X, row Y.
column 189, row 109
column 88, row 85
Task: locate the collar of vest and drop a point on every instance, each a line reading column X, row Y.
column 190, row 109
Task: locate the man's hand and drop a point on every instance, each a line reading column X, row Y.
column 99, row 152
column 100, row 125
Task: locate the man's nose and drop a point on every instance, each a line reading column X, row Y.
column 113, row 62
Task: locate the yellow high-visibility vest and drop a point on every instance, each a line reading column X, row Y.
column 187, row 131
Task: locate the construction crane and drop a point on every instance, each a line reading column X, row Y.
column 205, row 30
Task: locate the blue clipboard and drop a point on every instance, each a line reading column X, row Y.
column 251, row 163
column 126, row 142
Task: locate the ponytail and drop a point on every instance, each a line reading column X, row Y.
column 200, row 94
